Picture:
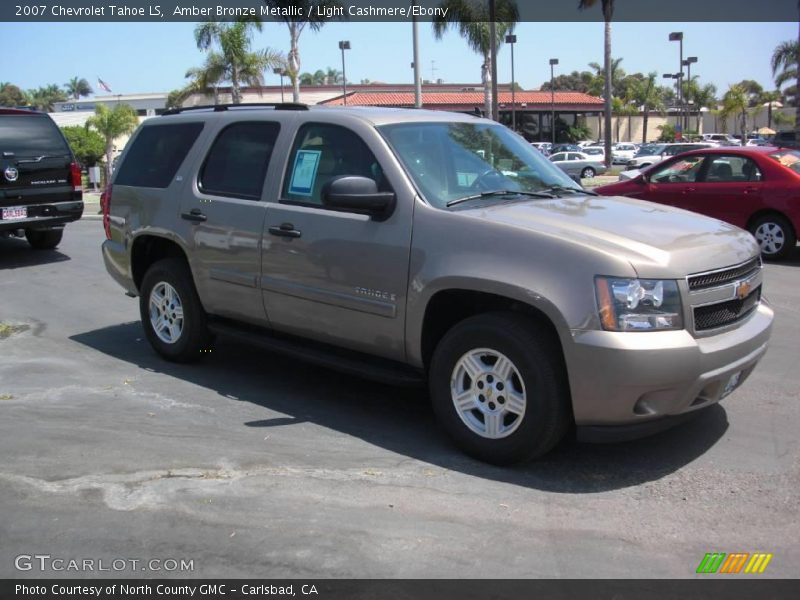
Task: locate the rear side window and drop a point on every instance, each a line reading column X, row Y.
column 28, row 136
column 156, row 154
column 237, row 162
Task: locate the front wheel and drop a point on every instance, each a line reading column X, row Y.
column 587, row 173
column 499, row 389
column 172, row 316
column 775, row 235
column 44, row 239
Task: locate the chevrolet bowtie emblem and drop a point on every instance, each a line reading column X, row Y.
column 743, row 290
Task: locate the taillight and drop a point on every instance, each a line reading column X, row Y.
column 105, row 206
column 75, row 177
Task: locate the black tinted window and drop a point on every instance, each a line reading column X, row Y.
column 237, row 162
column 31, row 136
column 156, row 154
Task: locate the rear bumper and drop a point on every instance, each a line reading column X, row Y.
column 637, row 383
column 46, row 216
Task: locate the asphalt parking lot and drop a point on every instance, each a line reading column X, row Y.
column 250, row 464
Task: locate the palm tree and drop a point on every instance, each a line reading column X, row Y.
column 310, row 15
column 471, row 19
column 735, row 102
column 771, row 100
column 112, row 123
column 785, row 62
column 77, row 87
column 599, row 82
column 704, row 97
column 234, row 61
column 608, row 13
column 44, row 98
column 648, row 95
column 333, row 76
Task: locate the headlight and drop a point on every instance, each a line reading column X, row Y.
column 638, row 304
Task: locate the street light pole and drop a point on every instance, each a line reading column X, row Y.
column 677, row 36
column 493, row 58
column 553, row 63
column 512, row 39
column 688, row 63
column 344, row 45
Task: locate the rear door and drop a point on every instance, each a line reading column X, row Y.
column 223, row 212
column 730, row 190
column 35, row 164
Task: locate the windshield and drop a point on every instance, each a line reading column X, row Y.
column 449, row 161
column 30, row 135
column 651, row 150
column 788, row 158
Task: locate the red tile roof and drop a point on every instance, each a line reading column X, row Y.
column 470, row 99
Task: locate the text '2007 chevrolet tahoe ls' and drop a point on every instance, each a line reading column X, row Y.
column 422, row 245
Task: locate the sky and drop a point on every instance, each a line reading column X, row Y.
column 153, row 57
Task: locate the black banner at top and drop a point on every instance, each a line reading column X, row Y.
column 390, row 10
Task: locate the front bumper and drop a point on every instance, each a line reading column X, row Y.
column 45, row 216
column 640, row 378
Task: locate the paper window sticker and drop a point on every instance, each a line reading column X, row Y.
column 304, row 172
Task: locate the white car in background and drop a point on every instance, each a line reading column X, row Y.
column 650, row 154
column 623, row 152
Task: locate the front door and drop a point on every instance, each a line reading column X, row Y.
column 333, row 276
column 675, row 182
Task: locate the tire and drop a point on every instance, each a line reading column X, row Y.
column 44, row 239
column 775, row 235
column 588, row 173
column 185, row 336
column 518, row 430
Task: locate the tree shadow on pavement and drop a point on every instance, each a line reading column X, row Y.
column 16, row 253
column 401, row 420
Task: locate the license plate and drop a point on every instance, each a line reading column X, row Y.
column 731, row 385
column 15, row 212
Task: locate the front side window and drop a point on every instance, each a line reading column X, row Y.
column 684, row 170
column 238, row 159
column 156, row 154
column 452, row 161
column 322, row 152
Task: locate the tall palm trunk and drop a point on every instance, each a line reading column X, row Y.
column 235, row 92
column 607, row 88
column 644, row 124
column 294, row 61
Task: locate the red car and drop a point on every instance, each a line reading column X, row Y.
column 756, row 188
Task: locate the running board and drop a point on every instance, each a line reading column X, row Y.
column 331, row 357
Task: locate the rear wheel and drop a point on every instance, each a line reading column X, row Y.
column 172, row 316
column 775, row 235
column 498, row 388
column 44, row 239
column 588, row 173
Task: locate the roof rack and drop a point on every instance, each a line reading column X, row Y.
column 224, row 107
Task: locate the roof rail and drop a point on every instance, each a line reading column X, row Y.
column 224, row 107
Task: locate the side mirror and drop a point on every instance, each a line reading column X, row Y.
column 360, row 195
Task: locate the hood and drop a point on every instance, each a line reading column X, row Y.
column 657, row 240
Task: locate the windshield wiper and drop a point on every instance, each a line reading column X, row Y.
column 498, row 193
column 562, row 188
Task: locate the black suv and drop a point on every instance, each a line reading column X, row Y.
column 785, row 139
column 40, row 181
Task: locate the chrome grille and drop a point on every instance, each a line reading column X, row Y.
column 702, row 281
column 725, row 313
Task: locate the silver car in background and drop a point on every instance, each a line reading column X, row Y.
column 579, row 164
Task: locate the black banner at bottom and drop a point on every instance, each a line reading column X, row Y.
column 399, row 589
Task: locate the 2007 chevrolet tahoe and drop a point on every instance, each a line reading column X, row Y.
column 413, row 245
